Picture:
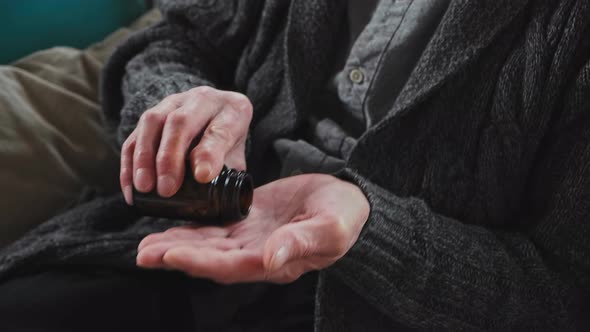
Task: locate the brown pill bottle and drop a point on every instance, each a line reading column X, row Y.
column 228, row 197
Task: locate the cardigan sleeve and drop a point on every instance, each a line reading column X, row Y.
column 433, row 272
column 197, row 43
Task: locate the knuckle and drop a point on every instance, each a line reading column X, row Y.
column 178, row 119
column 174, row 232
column 125, row 177
column 230, row 115
column 125, row 172
column 127, row 145
column 173, row 100
column 151, row 118
column 126, row 162
column 144, row 154
column 242, row 103
column 233, row 122
column 202, row 91
column 165, row 160
column 219, row 133
column 151, row 237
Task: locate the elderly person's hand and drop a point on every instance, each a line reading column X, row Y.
column 153, row 156
column 296, row 225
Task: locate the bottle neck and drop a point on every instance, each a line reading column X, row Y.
column 234, row 190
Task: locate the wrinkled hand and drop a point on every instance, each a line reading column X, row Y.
column 296, row 225
column 153, row 156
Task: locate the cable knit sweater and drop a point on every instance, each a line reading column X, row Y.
column 478, row 177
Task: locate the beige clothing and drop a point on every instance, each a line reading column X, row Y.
column 52, row 142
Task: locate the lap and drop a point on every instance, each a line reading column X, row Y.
column 76, row 299
column 65, row 300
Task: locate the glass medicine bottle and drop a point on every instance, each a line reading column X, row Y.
column 228, row 197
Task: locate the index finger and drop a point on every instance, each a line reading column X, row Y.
column 126, row 168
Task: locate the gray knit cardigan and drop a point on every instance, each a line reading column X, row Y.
column 478, row 178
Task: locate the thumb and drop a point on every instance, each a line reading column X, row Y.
column 296, row 240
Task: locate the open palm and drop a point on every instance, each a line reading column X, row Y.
column 296, row 225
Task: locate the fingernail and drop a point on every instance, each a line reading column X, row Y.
column 166, row 185
column 142, row 180
column 202, row 171
column 128, row 195
column 279, row 259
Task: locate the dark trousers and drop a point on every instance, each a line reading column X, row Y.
column 79, row 299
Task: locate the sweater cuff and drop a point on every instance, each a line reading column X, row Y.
column 390, row 215
column 391, row 246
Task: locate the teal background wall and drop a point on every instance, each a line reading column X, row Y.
column 30, row 25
